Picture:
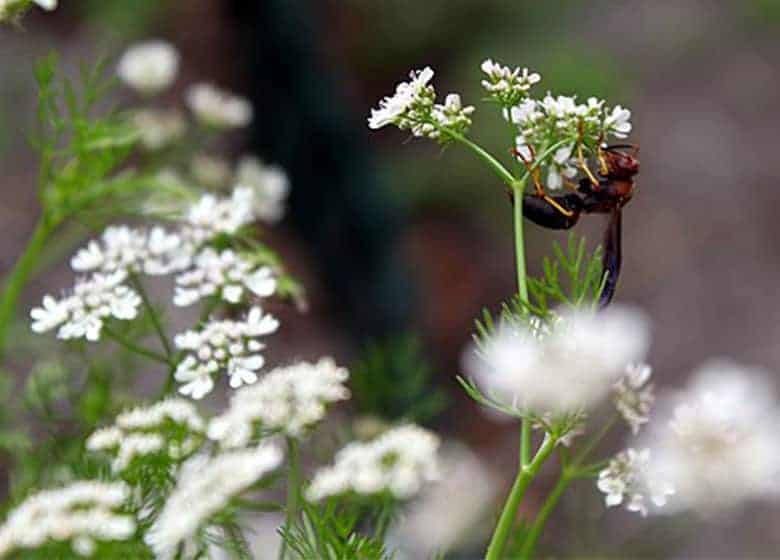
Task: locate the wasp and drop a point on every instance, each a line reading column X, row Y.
column 605, row 193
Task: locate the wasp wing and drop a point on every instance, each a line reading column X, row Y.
column 612, row 257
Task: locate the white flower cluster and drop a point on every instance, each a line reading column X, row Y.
column 720, row 448
column 225, row 275
column 566, row 371
column 81, row 513
column 505, row 85
column 413, row 107
column 203, row 487
column 223, row 345
column 634, row 396
column 159, row 128
column 289, row 399
column 269, row 184
column 172, row 426
column 83, row 313
column 149, row 67
column 211, row 215
column 121, row 248
column 627, row 477
column 399, row 461
column 217, row 108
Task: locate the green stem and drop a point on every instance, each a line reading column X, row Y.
column 531, row 538
column 293, row 489
column 133, row 347
column 138, row 285
column 524, row 477
column 522, row 285
column 20, row 275
column 488, row 158
column 525, row 442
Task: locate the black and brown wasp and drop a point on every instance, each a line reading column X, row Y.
column 606, row 193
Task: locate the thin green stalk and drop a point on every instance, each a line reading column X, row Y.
column 293, row 489
column 531, row 538
column 133, row 347
column 524, row 477
column 19, row 276
column 138, row 285
column 525, row 442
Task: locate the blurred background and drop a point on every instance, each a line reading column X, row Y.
column 397, row 239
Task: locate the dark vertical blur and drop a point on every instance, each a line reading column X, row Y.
column 304, row 123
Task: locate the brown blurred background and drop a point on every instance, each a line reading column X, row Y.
column 393, row 236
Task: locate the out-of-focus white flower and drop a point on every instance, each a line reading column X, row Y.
column 290, row 399
column 566, row 371
column 449, row 513
column 225, row 275
column 506, row 85
column 210, row 171
column 633, row 395
column 220, row 109
column 269, row 184
column 411, row 101
column 172, row 426
column 159, row 128
column 720, row 448
column 46, row 4
column 149, row 67
column 80, row 513
column 204, row 486
column 121, row 248
column 211, row 215
column 627, row 478
column 82, row 314
column 226, row 345
column 399, row 461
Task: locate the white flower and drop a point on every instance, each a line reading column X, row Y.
column 269, row 184
column 121, row 248
column 147, row 430
column 204, row 486
column 82, row 314
column 46, row 4
column 149, row 67
column 290, row 399
column 217, row 108
column 720, row 447
column 452, row 115
column 618, row 122
column 11, row 9
column 225, row 345
column 633, row 395
column 411, row 101
column 225, row 275
column 159, row 128
column 568, row 370
column 561, row 168
column 211, row 216
column 399, row 461
column 82, row 512
column 506, row 85
column 627, row 476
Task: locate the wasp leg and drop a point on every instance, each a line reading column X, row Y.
column 612, row 258
column 563, row 215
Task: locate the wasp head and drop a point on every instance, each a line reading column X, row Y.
column 620, row 164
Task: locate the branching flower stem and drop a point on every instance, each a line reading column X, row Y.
column 133, row 347
column 153, row 316
column 293, row 489
column 497, row 544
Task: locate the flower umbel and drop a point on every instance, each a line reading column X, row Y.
column 149, row 67
column 634, row 396
column 223, row 345
column 627, row 477
column 399, row 461
column 290, row 400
